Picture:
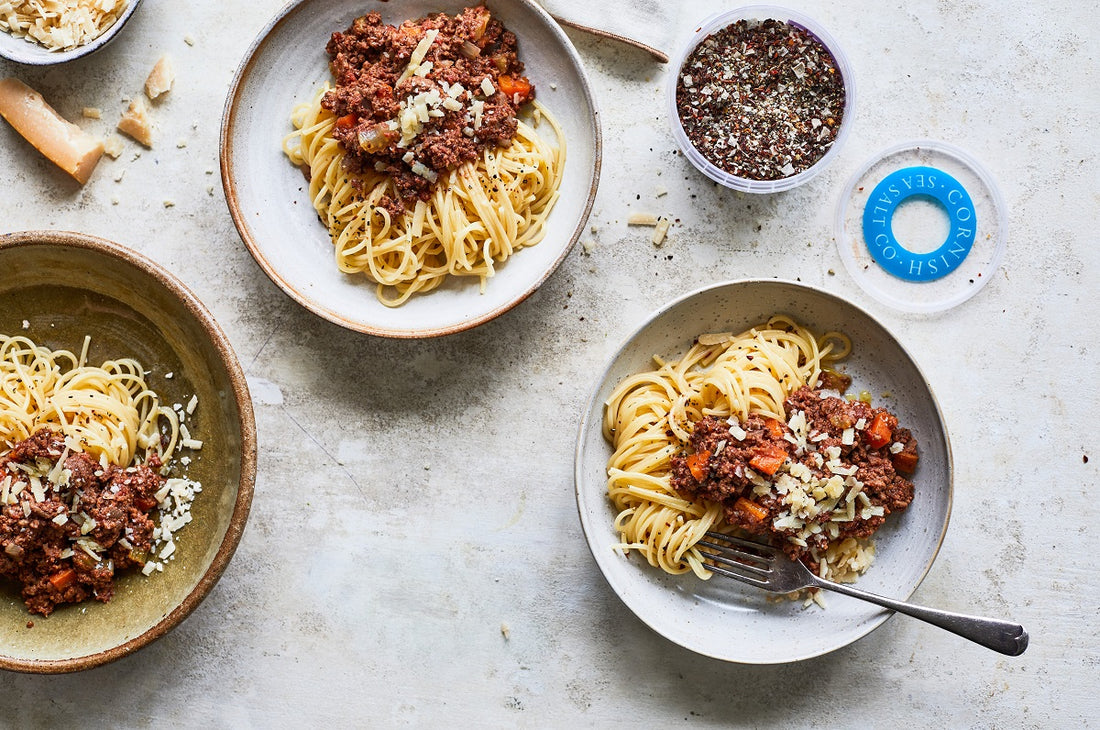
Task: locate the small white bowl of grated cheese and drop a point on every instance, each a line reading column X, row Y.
column 40, row 34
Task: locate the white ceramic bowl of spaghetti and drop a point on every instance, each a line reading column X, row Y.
column 725, row 619
column 269, row 197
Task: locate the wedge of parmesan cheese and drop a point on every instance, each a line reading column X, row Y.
column 160, row 79
column 135, row 123
column 65, row 144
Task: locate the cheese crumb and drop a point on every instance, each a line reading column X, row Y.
column 160, row 79
column 91, row 112
column 112, row 146
column 135, row 123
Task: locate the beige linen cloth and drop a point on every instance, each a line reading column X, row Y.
column 650, row 21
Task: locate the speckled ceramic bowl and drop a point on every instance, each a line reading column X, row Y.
column 725, row 619
column 58, row 287
column 31, row 53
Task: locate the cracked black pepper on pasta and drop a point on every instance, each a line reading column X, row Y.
column 761, row 100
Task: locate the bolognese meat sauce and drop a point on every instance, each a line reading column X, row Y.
column 67, row 529
column 847, row 467
column 415, row 100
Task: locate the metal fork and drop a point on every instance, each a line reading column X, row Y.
column 769, row 568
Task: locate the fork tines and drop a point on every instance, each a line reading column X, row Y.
column 740, row 559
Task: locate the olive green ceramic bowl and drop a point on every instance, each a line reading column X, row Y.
column 55, row 288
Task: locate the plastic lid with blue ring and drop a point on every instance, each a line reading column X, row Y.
column 921, row 226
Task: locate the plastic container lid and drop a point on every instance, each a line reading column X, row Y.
column 905, row 260
column 762, row 12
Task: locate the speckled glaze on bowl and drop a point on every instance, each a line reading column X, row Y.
column 269, row 198
column 31, row 53
column 725, row 619
column 64, row 286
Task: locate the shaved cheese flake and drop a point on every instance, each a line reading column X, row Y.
column 418, row 54
column 660, row 231
column 642, row 219
column 715, row 338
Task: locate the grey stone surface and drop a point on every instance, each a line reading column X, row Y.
column 416, row 497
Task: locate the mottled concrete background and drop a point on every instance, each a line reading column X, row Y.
column 413, row 497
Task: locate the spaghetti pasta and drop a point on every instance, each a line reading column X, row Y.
column 478, row 214
column 108, row 411
column 648, row 420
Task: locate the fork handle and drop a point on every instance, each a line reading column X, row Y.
column 1001, row 636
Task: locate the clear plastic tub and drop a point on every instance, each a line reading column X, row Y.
column 762, row 12
column 986, row 227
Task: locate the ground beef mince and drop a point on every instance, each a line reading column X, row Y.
column 65, row 533
column 414, row 118
column 835, row 470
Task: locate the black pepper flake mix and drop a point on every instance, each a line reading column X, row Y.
column 761, row 100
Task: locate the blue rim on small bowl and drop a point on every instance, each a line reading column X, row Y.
column 716, row 23
column 31, row 53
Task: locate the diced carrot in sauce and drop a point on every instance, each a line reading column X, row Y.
column 697, row 464
column 881, row 430
column 513, row 85
column 768, row 459
column 775, row 428
column 482, row 23
column 62, row 579
column 906, row 461
column 346, row 122
column 751, row 509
